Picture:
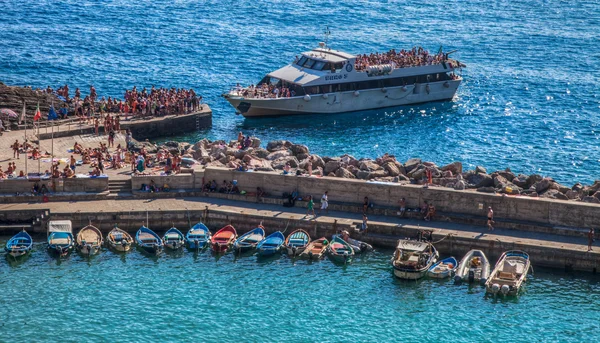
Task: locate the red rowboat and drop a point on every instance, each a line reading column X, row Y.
column 223, row 239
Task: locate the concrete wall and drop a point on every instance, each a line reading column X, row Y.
column 543, row 211
column 177, row 181
column 71, row 185
column 172, row 125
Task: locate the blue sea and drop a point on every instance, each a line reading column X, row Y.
column 189, row 297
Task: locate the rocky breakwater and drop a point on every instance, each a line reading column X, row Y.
column 385, row 169
column 12, row 97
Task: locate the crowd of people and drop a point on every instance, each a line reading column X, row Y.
column 415, row 57
column 264, row 90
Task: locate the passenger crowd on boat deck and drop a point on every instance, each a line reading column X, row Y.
column 417, row 56
column 265, row 91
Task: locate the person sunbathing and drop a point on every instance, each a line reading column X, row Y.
column 77, row 148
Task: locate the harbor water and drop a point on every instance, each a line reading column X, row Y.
column 202, row 298
column 530, row 99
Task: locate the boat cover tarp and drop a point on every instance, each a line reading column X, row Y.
column 413, row 246
column 60, row 226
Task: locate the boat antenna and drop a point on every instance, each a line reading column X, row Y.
column 327, row 34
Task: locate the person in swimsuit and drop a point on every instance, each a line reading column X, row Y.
column 590, row 239
column 402, row 203
column 490, row 218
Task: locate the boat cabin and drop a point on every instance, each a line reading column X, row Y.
column 412, row 254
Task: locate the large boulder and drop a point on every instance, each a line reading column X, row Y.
column 480, row 170
column 561, row 196
column 278, row 145
column 369, row 165
column 479, row 180
column 549, row 194
column 411, row 164
column 299, row 149
column 460, row 185
column 455, row 167
column 590, row 199
column 542, row 185
column 532, row 180
column 362, row 174
column 260, row 152
column 345, row 173
column 317, row 162
column 507, row 174
column 486, row 189
column 255, row 142
column 331, row 167
column 279, row 154
column 391, row 168
column 349, row 160
column 500, row 181
column 377, row 174
column 521, row 180
column 573, row 195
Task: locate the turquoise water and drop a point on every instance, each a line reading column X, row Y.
column 530, row 100
column 188, row 297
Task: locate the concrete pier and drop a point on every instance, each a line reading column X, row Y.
column 546, row 249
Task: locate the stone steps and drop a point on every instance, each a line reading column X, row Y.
column 119, row 188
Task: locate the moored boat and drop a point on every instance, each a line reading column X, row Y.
column 412, row 259
column 198, row 236
column 89, row 240
column 324, row 80
column 119, row 240
column 223, row 239
column 443, row 269
column 509, row 273
column 339, row 250
column 19, row 245
column 60, row 237
column 358, row 246
column 315, row 250
column 473, row 267
column 173, row 239
column 149, row 241
column 249, row 240
column 271, row 244
column 296, row 242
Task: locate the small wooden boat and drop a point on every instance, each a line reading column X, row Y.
column 173, row 239
column 443, row 269
column 149, row 241
column 474, row 267
column 223, row 239
column 89, row 240
column 339, row 250
column 412, row 259
column 198, row 236
column 271, row 244
column 296, row 242
column 358, row 246
column 119, row 240
column 19, row 245
column 509, row 273
column 315, row 250
column 249, row 240
column 60, row 237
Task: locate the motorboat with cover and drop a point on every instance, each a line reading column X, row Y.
column 60, row 237
column 509, row 273
column 412, row 259
column 358, row 246
column 474, row 267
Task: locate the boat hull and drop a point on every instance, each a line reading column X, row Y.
column 89, row 249
column 410, row 274
column 267, row 252
column 196, row 244
column 60, row 250
column 220, row 247
column 18, row 253
column 341, row 102
column 120, row 247
column 152, row 250
column 295, row 251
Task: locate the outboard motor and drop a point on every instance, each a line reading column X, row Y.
column 363, row 247
column 505, row 289
column 495, row 288
column 471, row 276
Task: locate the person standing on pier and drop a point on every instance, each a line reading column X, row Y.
column 324, row 203
column 15, row 147
column 490, row 218
column 590, row 239
column 310, row 206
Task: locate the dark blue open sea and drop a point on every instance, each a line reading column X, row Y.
column 530, row 101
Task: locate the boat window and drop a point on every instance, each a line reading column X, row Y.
column 318, row 65
column 302, row 61
column 309, row 63
column 327, row 66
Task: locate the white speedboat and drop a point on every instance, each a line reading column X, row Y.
column 474, row 266
column 329, row 81
column 509, row 273
column 412, row 259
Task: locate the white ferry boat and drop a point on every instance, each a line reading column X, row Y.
column 329, row 81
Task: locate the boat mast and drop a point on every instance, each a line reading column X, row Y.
column 327, row 34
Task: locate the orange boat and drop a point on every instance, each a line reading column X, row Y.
column 223, row 239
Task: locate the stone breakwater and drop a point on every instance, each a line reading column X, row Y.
column 385, row 169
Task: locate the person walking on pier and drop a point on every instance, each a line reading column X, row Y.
column 490, row 218
column 324, row 203
column 310, row 207
column 590, row 239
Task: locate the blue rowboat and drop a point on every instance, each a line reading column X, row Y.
column 19, row 245
column 443, row 269
column 249, row 240
column 296, row 242
column 339, row 250
column 149, row 241
column 198, row 236
column 173, row 239
column 271, row 245
column 60, row 237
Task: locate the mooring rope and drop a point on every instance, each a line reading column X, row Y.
column 448, row 235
